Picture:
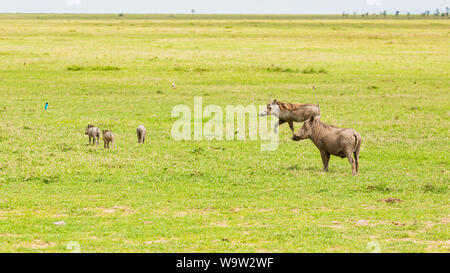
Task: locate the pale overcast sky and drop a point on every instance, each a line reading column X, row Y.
column 223, row 6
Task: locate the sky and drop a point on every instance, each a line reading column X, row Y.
column 221, row 6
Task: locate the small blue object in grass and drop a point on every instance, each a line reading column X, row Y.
column 46, row 105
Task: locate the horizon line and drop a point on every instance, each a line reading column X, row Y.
column 200, row 13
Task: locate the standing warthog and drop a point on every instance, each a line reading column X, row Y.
column 290, row 112
column 108, row 137
column 93, row 132
column 141, row 131
column 332, row 140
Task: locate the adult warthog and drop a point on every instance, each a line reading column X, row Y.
column 290, row 112
column 93, row 133
column 141, row 131
column 330, row 140
column 108, row 138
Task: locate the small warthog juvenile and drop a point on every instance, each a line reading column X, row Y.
column 93, row 133
column 342, row 142
column 141, row 131
column 290, row 112
column 108, row 137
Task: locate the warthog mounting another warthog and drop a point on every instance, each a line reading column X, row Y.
column 330, row 140
column 290, row 112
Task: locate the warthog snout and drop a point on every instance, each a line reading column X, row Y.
column 296, row 137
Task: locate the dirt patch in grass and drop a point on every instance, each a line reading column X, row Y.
column 40, row 245
column 180, row 214
column 202, row 211
column 336, row 225
column 115, row 209
column 36, row 244
column 9, row 235
column 220, row 224
column 59, row 215
column 371, row 223
column 364, row 206
column 443, row 221
column 362, row 223
column 265, row 210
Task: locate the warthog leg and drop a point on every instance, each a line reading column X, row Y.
column 356, row 154
column 352, row 162
column 278, row 123
column 291, row 125
column 325, row 159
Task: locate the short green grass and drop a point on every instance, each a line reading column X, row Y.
column 388, row 79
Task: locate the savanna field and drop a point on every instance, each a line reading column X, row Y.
column 388, row 79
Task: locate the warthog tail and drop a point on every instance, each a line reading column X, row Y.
column 357, row 141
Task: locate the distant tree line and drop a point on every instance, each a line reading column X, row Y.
column 383, row 14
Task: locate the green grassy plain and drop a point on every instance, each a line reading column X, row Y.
column 388, row 79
